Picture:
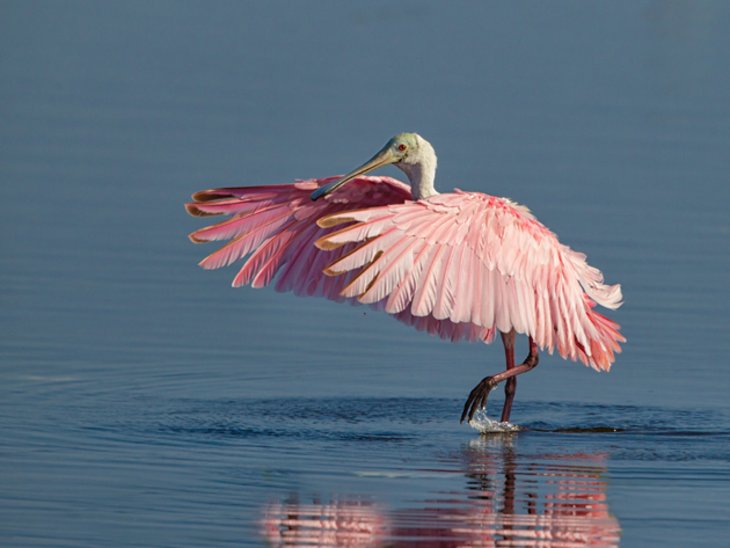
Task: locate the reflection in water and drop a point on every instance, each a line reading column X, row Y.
column 559, row 500
column 508, row 500
column 332, row 524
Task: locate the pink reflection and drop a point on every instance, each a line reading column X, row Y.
column 334, row 524
column 549, row 500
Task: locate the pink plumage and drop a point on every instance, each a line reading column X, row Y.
column 461, row 265
column 472, row 258
column 275, row 227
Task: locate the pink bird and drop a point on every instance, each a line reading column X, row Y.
column 460, row 265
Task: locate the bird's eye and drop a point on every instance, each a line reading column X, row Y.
column 402, row 147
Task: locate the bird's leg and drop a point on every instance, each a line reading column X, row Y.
column 510, row 387
column 478, row 396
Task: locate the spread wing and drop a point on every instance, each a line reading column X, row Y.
column 479, row 260
column 274, row 228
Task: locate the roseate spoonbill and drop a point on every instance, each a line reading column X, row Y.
column 461, row 265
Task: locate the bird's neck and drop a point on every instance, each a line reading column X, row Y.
column 421, row 175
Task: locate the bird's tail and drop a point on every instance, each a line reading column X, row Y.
column 591, row 279
column 605, row 344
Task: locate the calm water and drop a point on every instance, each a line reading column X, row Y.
column 145, row 402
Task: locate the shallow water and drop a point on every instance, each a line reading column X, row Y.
column 143, row 401
column 172, row 470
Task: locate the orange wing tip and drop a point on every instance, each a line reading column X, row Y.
column 210, row 194
column 361, row 296
column 325, row 245
column 195, row 211
column 332, row 272
column 193, row 238
column 348, row 292
column 332, row 220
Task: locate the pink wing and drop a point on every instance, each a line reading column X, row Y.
column 276, row 226
column 478, row 260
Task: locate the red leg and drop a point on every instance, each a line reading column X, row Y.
column 510, row 387
column 478, row 396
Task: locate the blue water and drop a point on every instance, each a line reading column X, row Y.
column 145, row 402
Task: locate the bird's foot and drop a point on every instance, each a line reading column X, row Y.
column 477, row 398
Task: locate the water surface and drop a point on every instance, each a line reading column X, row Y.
column 144, row 401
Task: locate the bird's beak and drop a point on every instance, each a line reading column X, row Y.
column 383, row 157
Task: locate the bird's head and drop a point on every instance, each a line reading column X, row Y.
column 405, row 151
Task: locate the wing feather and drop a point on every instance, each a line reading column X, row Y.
column 405, row 292
column 275, row 226
column 481, row 264
column 424, row 298
column 459, row 265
